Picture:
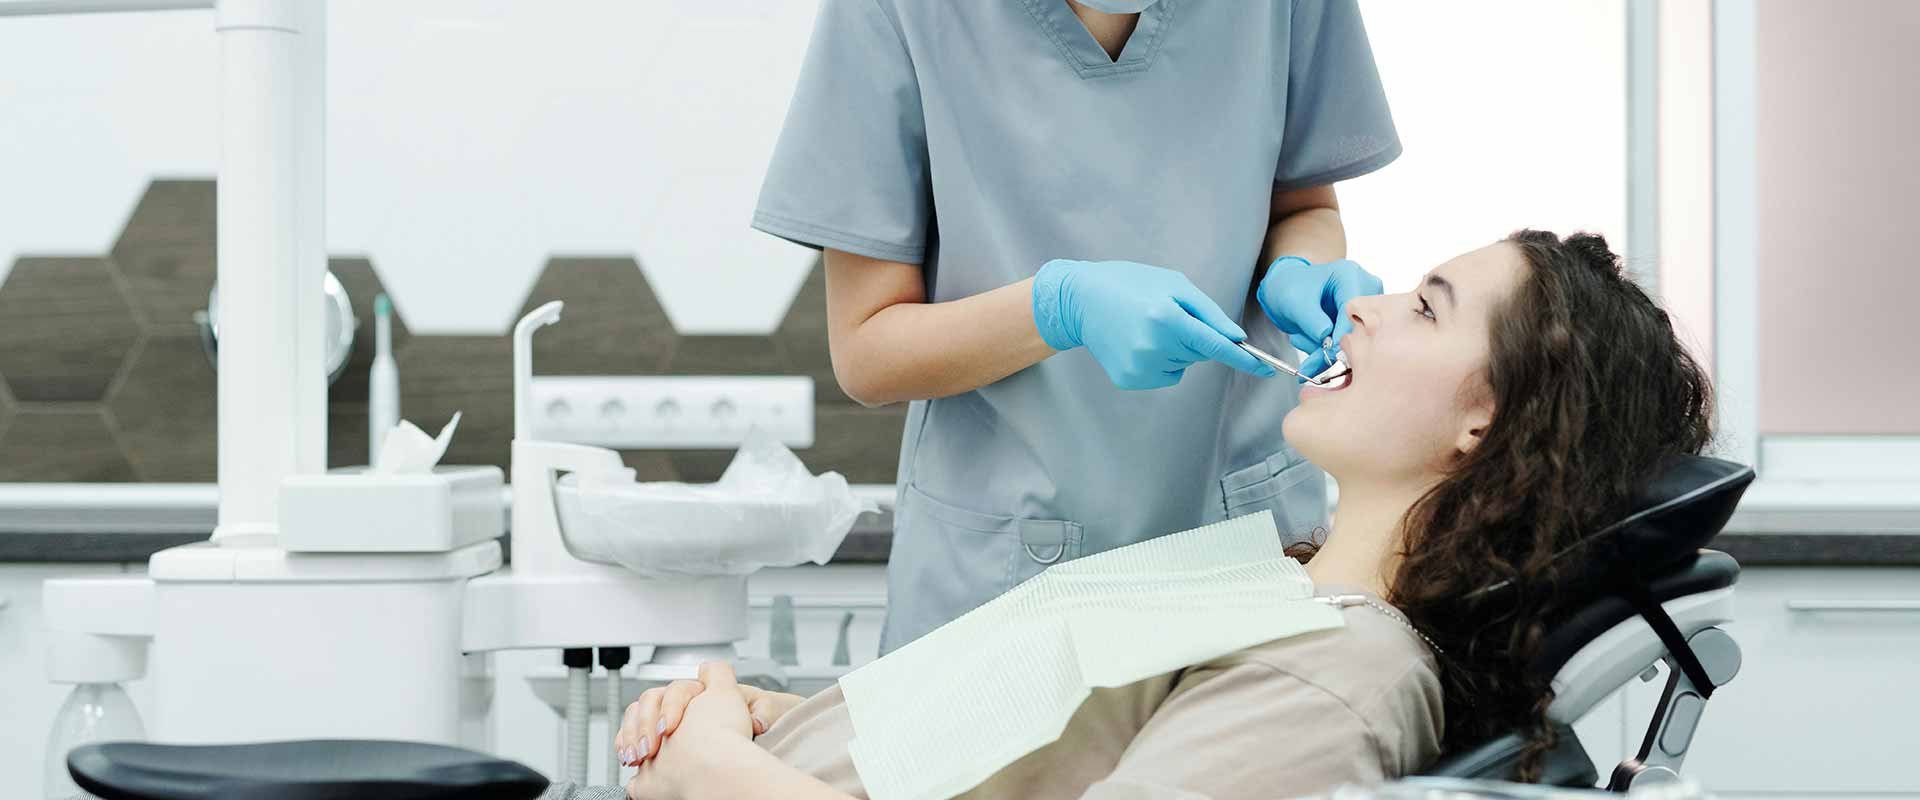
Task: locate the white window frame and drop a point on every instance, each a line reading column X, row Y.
column 1797, row 472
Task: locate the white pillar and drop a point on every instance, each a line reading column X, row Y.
column 269, row 320
column 310, row 170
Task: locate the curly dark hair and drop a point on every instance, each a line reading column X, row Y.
column 1592, row 393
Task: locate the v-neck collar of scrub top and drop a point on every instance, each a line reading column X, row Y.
column 1084, row 53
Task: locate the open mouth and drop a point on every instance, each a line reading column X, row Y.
column 1337, row 377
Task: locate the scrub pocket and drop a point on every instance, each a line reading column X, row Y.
column 974, row 556
column 1287, row 483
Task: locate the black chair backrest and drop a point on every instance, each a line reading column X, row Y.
column 1673, row 516
column 1657, row 545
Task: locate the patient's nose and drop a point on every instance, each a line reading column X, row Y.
column 1363, row 310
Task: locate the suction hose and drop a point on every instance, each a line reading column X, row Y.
column 613, row 658
column 579, row 661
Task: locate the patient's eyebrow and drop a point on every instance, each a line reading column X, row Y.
column 1443, row 285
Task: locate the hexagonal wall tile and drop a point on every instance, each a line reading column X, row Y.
column 698, row 466
column 611, row 325
column 166, row 253
column 861, row 443
column 728, row 355
column 347, row 434
column 64, row 329
column 6, row 407
column 650, row 465
column 164, row 411
column 362, row 283
column 61, row 446
column 803, row 335
column 470, row 374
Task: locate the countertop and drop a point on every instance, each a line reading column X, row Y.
column 129, row 522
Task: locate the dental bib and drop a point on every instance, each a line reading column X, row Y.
column 946, row 711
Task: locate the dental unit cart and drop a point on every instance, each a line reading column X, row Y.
column 374, row 615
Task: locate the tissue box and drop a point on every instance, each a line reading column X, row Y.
column 352, row 511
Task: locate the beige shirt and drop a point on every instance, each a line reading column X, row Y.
column 1357, row 704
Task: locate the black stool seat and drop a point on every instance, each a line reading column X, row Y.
column 318, row 769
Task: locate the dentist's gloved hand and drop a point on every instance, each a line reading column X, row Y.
column 1144, row 325
column 1306, row 300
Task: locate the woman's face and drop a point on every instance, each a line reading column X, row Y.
column 1418, row 394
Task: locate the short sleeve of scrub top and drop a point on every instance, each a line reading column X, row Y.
column 850, row 171
column 1337, row 123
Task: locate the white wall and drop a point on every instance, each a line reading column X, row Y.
column 1513, row 114
column 469, row 140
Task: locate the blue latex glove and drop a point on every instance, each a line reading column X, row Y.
column 1144, row 325
column 1307, row 301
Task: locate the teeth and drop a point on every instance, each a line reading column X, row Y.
column 1338, row 375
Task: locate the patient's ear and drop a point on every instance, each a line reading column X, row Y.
column 1473, row 427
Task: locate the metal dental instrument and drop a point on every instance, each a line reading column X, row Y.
column 1278, row 364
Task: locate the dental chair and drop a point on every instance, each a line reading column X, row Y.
column 1654, row 596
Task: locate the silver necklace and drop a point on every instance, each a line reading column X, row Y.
column 1346, row 600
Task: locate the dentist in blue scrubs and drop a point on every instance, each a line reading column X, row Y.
column 1045, row 223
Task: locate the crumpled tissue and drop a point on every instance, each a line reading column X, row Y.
column 407, row 450
column 766, row 510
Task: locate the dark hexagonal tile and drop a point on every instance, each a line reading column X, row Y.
column 347, row 434
column 470, row 374
column 64, row 329
column 650, row 465
column 860, row 443
column 612, row 323
column 164, row 411
column 728, row 355
column 61, row 446
column 803, row 334
column 166, row 253
column 6, row 407
column 362, row 283
column 698, row 466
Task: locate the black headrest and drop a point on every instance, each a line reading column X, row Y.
column 1673, row 516
column 298, row 770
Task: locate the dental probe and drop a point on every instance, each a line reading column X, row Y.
column 1278, row 364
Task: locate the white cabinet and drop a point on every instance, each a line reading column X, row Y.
column 1828, row 696
column 27, row 700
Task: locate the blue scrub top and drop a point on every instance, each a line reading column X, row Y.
column 983, row 138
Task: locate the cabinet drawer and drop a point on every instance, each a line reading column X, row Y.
column 1826, row 698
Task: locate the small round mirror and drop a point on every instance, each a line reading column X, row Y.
column 339, row 323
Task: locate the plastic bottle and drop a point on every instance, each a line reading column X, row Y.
column 93, row 712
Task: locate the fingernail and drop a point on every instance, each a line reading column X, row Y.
column 642, row 749
column 628, row 756
column 760, row 723
column 660, row 728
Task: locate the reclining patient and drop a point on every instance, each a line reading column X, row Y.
column 1508, row 405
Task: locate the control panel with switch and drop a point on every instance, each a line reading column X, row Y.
column 672, row 411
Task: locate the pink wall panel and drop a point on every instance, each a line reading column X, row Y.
column 1838, row 89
